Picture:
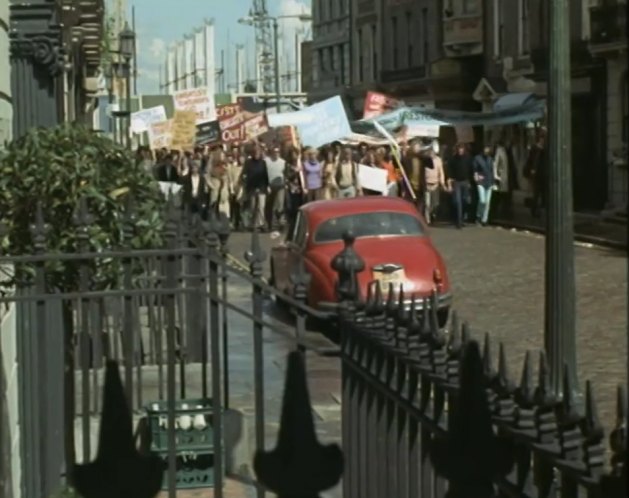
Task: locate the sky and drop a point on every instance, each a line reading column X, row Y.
column 161, row 23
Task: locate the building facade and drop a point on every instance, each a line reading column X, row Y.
column 55, row 48
column 330, row 48
column 608, row 41
column 6, row 108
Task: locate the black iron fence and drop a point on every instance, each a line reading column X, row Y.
column 425, row 414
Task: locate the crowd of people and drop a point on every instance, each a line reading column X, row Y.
column 261, row 187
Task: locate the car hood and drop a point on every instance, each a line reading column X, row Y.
column 416, row 255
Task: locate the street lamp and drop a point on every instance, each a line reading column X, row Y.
column 251, row 20
column 126, row 44
column 109, row 83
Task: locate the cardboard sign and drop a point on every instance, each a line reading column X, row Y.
column 160, row 134
column 208, row 133
column 198, row 100
column 379, row 103
column 226, row 111
column 372, row 178
column 184, row 130
column 415, row 129
column 246, row 130
column 141, row 120
column 323, row 123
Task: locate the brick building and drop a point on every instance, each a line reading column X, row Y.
column 6, row 111
column 477, row 54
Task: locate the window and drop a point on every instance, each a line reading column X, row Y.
column 374, row 52
column 361, row 62
column 394, row 38
column 330, row 9
column 469, row 7
column 379, row 224
column 322, row 60
column 498, row 28
column 424, row 35
column 523, row 27
column 409, row 39
column 342, row 64
column 332, row 66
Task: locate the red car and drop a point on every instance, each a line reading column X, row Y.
column 391, row 238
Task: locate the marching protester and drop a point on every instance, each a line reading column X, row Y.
column 484, row 177
column 460, row 173
column 195, row 191
column 330, row 188
column 220, row 186
column 235, row 163
column 275, row 167
column 295, row 185
column 255, row 181
column 435, row 183
column 313, row 175
column 347, row 175
column 166, row 170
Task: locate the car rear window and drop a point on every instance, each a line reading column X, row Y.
column 378, row 224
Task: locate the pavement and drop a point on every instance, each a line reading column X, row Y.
column 594, row 228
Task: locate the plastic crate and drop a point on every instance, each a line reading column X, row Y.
column 187, row 411
column 194, row 470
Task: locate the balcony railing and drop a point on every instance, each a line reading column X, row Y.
column 463, row 35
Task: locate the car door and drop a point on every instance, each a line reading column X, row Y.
column 286, row 256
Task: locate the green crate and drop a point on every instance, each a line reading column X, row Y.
column 191, row 438
column 194, row 470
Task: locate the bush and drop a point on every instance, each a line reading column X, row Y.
column 57, row 168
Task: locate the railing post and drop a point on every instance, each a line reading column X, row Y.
column 348, row 264
column 223, row 232
column 300, row 279
column 255, row 257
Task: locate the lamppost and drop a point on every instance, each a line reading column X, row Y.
column 250, row 21
column 126, row 44
column 560, row 309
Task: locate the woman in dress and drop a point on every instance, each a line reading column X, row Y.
column 313, row 175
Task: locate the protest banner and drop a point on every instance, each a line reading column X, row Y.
column 141, row 120
column 255, row 126
column 415, row 129
column 184, row 130
column 208, row 133
column 160, row 134
column 371, row 178
column 323, row 123
column 199, row 100
column 379, row 103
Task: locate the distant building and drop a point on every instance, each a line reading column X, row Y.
column 6, row 111
column 306, row 66
column 331, row 56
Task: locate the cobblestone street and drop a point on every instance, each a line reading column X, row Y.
column 498, row 279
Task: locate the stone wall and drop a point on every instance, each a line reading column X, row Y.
column 6, row 114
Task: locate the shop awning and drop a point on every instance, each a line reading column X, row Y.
column 514, row 100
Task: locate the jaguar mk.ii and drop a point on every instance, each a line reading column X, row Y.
column 390, row 236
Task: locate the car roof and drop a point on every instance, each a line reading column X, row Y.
column 320, row 211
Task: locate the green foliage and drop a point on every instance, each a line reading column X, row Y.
column 57, row 167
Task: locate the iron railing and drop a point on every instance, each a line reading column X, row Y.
column 424, row 413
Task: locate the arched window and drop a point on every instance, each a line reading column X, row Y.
column 625, row 108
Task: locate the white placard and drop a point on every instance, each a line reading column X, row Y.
column 372, row 178
column 142, row 120
column 198, row 100
column 168, row 188
column 414, row 130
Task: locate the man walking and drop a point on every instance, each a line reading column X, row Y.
column 435, row 183
column 460, row 172
column 275, row 167
column 255, row 180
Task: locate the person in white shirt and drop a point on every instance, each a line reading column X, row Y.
column 275, row 167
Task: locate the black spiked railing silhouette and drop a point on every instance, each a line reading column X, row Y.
column 299, row 466
column 119, row 470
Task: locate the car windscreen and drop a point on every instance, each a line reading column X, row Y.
column 378, row 224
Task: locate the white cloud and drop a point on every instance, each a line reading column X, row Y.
column 157, row 47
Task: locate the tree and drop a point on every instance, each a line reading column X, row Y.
column 56, row 169
column 53, row 171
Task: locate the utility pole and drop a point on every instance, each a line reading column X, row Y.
column 560, row 309
column 276, row 65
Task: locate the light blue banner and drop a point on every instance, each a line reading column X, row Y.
column 393, row 120
column 323, row 123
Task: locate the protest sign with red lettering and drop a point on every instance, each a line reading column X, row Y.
column 379, row 103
